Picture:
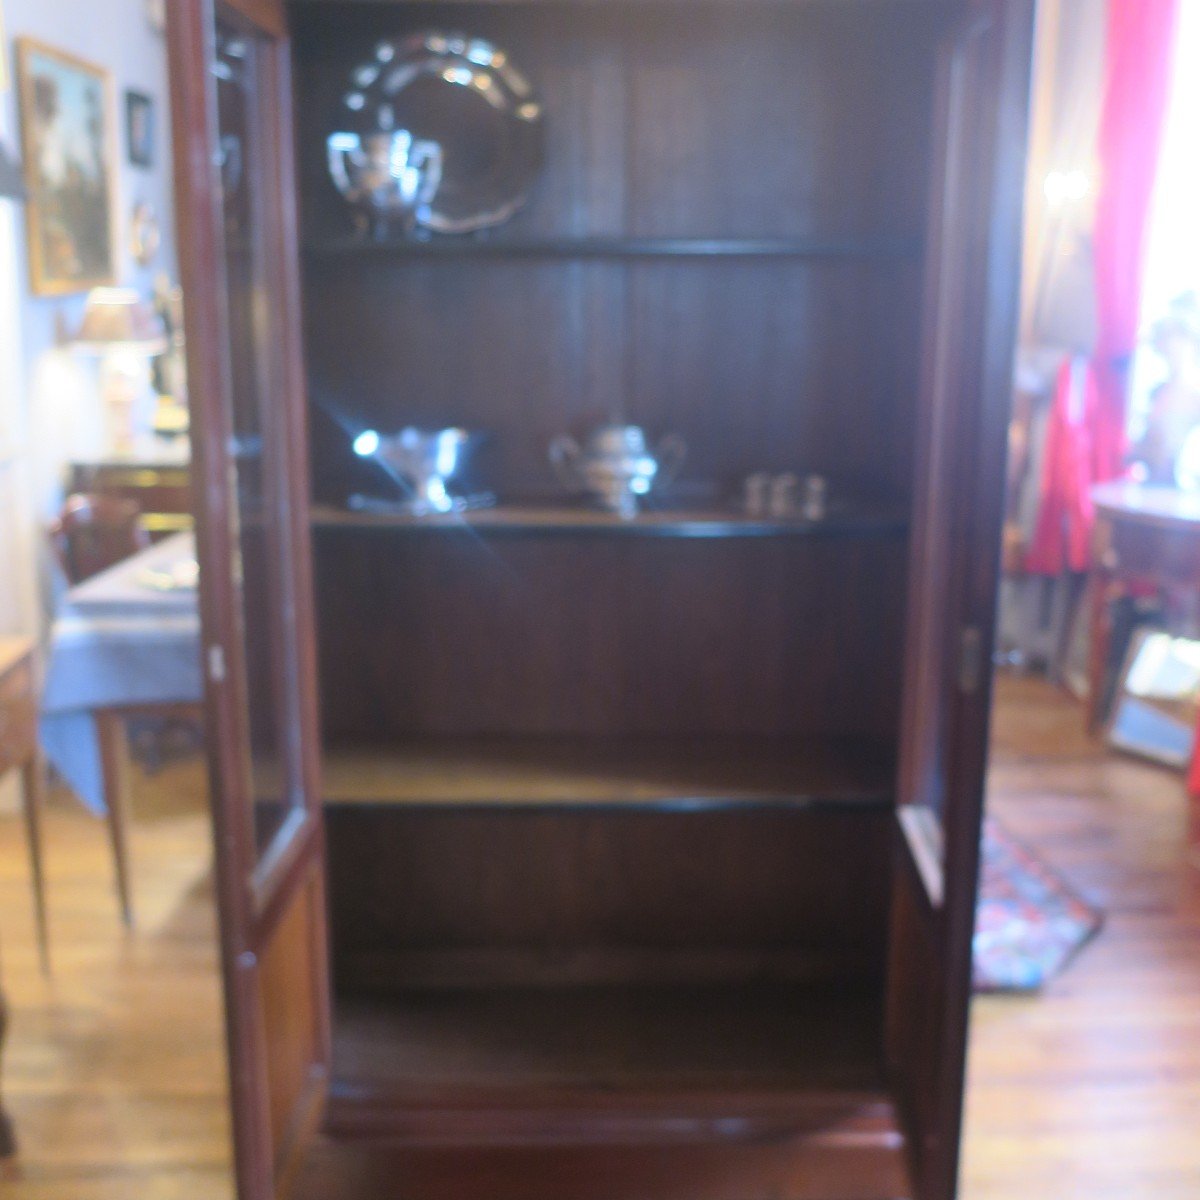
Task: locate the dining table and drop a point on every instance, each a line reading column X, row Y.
column 125, row 642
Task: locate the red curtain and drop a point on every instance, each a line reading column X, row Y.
column 1138, row 51
column 1088, row 416
column 1062, row 536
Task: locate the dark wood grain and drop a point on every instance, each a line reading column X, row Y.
column 457, row 634
column 750, row 1038
column 458, row 895
column 966, row 396
column 821, row 1168
column 711, row 251
column 246, row 377
column 844, row 521
column 682, row 773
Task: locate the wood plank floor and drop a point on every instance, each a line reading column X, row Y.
column 115, row 1068
column 1092, row 1089
column 114, row 1072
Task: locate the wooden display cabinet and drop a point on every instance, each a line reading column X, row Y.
column 638, row 858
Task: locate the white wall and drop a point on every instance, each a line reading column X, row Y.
column 17, row 585
column 116, row 35
column 48, row 400
column 18, row 581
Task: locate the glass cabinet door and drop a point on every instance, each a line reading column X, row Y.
column 231, row 112
column 257, row 439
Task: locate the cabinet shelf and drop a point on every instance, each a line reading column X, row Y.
column 627, row 1064
column 615, row 247
column 564, row 519
column 700, row 773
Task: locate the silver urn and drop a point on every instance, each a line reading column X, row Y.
column 387, row 176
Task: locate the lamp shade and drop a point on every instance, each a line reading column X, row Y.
column 118, row 319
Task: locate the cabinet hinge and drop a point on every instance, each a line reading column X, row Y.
column 970, row 660
column 216, row 664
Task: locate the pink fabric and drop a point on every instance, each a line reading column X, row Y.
column 1091, row 442
column 1062, row 536
column 1139, row 44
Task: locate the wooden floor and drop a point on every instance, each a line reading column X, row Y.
column 1092, row 1090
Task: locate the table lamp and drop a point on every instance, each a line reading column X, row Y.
column 120, row 329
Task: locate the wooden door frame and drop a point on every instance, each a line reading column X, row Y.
column 976, row 570
column 944, row 878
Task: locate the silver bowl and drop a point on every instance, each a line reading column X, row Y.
column 425, row 461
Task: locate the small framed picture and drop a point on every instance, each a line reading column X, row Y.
column 139, row 128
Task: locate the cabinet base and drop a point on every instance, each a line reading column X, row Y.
column 783, row 1170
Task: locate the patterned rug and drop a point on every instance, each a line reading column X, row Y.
column 1029, row 922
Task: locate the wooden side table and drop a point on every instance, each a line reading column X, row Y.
column 1145, row 537
column 19, row 751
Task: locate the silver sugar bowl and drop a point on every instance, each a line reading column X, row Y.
column 616, row 465
column 387, row 175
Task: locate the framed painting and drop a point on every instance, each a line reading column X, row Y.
column 68, row 142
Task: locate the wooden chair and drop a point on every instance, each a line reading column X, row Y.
column 94, row 532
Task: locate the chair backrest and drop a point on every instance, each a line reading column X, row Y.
column 95, row 531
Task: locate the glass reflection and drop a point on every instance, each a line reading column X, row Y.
column 253, row 464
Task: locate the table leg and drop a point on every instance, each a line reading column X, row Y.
column 114, row 759
column 1099, row 641
column 32, row 779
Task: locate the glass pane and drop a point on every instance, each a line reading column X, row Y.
column 255, row 461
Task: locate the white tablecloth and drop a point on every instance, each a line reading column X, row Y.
column 117, row 641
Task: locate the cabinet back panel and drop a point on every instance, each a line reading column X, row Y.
column 725, row 121
column 758, row 366
column 672, row 121
column 516, row 897
column 456, row 633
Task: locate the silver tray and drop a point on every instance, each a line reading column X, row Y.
column 461, row 96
